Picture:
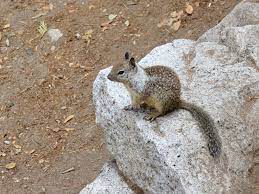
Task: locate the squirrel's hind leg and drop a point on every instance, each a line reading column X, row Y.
column 157, row 111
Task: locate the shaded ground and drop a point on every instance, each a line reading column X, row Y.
column 42, row 83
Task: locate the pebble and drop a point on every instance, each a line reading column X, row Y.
column 52, row 48
column 7, row 142
column 7, row 42
column 54, row 34
column 78, row 36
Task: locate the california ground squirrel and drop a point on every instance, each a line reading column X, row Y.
column 159, row 87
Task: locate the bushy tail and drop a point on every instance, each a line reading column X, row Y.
column 207, row 125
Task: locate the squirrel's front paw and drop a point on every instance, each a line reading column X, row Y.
column 130, row 107
column 152, row 116
column 149, row 118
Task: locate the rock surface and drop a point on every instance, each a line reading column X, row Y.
column 220, row 73
column 109, row 181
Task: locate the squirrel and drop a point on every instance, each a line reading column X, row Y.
column 159, row 88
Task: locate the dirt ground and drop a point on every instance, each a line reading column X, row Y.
column 48, row 136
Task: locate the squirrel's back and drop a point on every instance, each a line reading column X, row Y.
column 164, row 84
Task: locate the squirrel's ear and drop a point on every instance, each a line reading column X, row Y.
column 127, row 56
column 132, row 63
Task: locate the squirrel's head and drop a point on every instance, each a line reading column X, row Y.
column 123, row 72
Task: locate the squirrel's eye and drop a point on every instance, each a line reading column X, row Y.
column 120, row 72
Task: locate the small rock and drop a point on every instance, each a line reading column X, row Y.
column 2, row 154
column 176, row 25
column 127, row 23
column 112, row 17
column 52, row 48
column 78, row 36
column 7, row 42
column 7, row 142
column 54, row 34
column 63, row 107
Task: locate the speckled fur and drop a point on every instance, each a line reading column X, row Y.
column 163, row 87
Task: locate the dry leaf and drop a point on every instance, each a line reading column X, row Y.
column 17, row 151
column 17, row 146
column 10, row 165
column 32, row 151
column 112, row 17
column 69, row 129
column 165, row 22
column 2, row 154
column 174, row 14
column 63, row 108
column 180, row 13
column 197, row 4
column 6, row 26
column 127, row 23
column 176, row 25
column 1, row 36
column 189, row 9
column 56, row 129
column 91, row 7
column 7, row 42
column 105, row 24
column 69, row 118
column 41, row 161
column 71, row 11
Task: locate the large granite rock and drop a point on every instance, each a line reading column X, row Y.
column 220, row 73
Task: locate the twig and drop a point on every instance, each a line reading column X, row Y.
column 68, row 170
